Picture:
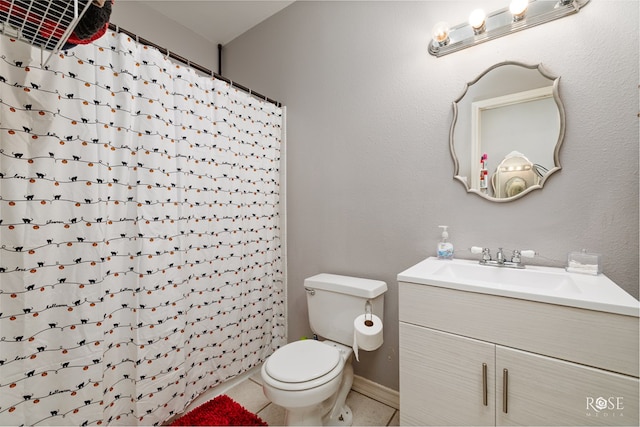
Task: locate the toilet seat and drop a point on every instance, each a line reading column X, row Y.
column 302, row 365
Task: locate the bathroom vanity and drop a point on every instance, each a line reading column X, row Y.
column 483, row 345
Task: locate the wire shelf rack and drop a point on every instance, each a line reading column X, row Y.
column 46, row 24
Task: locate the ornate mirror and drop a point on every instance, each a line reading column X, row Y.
column 507, row 129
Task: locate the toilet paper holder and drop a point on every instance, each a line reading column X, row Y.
column 367, row 331
column 368, row 311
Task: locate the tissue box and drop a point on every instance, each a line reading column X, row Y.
column 583, row 262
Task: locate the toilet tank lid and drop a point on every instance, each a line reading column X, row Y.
column 356, row 286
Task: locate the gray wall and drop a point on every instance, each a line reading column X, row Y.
column 369, row 169
column 145, row 22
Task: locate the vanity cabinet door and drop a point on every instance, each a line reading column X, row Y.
column 546, row 391
column 442, row 380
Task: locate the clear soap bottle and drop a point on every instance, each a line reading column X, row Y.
column 445, row 247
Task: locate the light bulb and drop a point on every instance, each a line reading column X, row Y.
column 518, row 8
column 476, row 20
column 440, row 34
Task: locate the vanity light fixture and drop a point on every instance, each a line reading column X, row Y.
column 519, row 15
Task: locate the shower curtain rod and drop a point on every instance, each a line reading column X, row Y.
column 189, row 63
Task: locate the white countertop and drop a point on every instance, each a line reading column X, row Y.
column 535, row 283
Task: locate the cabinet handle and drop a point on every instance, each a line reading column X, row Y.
column 485, row 391
column 505, row 389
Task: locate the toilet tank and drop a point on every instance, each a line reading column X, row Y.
column 334, row 302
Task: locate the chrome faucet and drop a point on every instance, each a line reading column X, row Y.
column 501, row 260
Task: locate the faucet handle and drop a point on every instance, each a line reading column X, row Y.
column 518, row 255
column 486, row 253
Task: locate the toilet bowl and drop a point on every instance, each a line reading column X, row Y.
column 311, row 380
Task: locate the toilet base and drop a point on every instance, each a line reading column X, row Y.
column 340, row 414
column 314, row 417
column 344, row 418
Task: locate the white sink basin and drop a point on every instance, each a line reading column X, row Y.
column 543, row 284
column 502, row 277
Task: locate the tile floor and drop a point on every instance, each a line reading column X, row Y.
column 366, row 411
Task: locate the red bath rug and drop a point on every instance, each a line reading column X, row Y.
column 221, row 411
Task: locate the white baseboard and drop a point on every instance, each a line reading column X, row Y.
column 376, row 391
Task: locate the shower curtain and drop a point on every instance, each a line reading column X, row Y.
column 140, row 251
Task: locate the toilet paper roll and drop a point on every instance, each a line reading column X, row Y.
column 367, row 333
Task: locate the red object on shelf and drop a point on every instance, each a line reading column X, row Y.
column 75, row 40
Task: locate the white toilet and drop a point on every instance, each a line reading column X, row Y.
column 310, row 378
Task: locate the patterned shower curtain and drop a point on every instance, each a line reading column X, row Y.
column 140, row 251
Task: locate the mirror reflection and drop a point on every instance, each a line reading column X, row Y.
column 507, row 129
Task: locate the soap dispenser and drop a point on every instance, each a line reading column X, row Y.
column 445, row 247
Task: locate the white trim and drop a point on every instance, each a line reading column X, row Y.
column 376, row 391
column 283, row 217
column 514, row 98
